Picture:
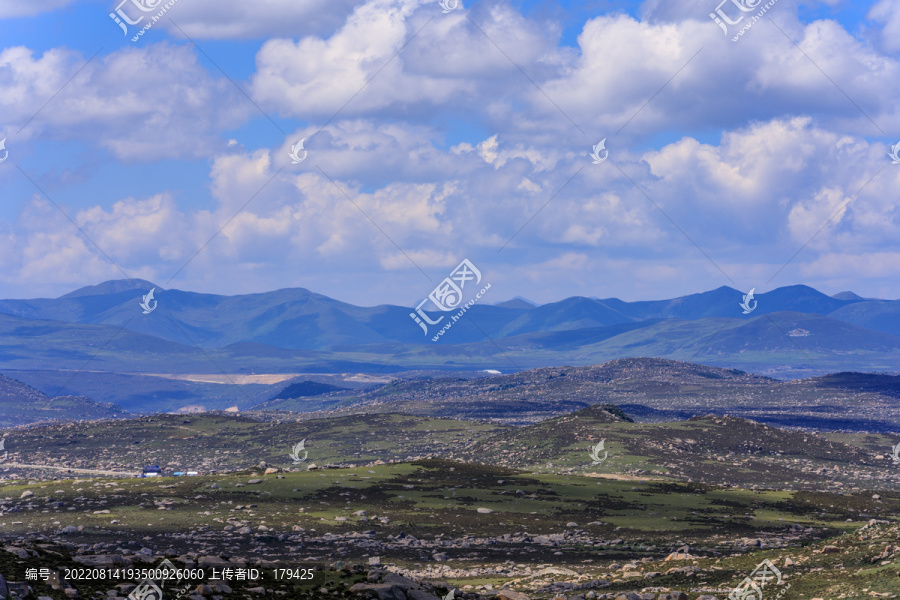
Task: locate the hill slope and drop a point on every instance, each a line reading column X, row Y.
column 21, row 404
column 650, row 389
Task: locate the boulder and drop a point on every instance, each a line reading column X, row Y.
column 679, row 556
column 4, row 591
column 673, row 596
column 255, row 481
column 382, row 591
column 103, row 560
column 391, row 586
column 212, row 561
column 511, row 595
column 20, row 552
column 484, row 511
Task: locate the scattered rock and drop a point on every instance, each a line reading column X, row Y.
column 673, row 596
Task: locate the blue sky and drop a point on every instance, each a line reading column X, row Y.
column 470, row 140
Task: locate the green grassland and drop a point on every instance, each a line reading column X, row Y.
column 429, row 499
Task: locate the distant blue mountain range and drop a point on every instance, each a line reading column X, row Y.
column 299, row 319
column 104, row 328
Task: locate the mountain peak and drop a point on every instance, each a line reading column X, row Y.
column 114, row 286
column 517, row 302
column 847, row 296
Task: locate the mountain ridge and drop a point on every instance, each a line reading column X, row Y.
column 297, row 318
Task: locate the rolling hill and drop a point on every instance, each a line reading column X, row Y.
column 21, row 404
column 649, row 389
